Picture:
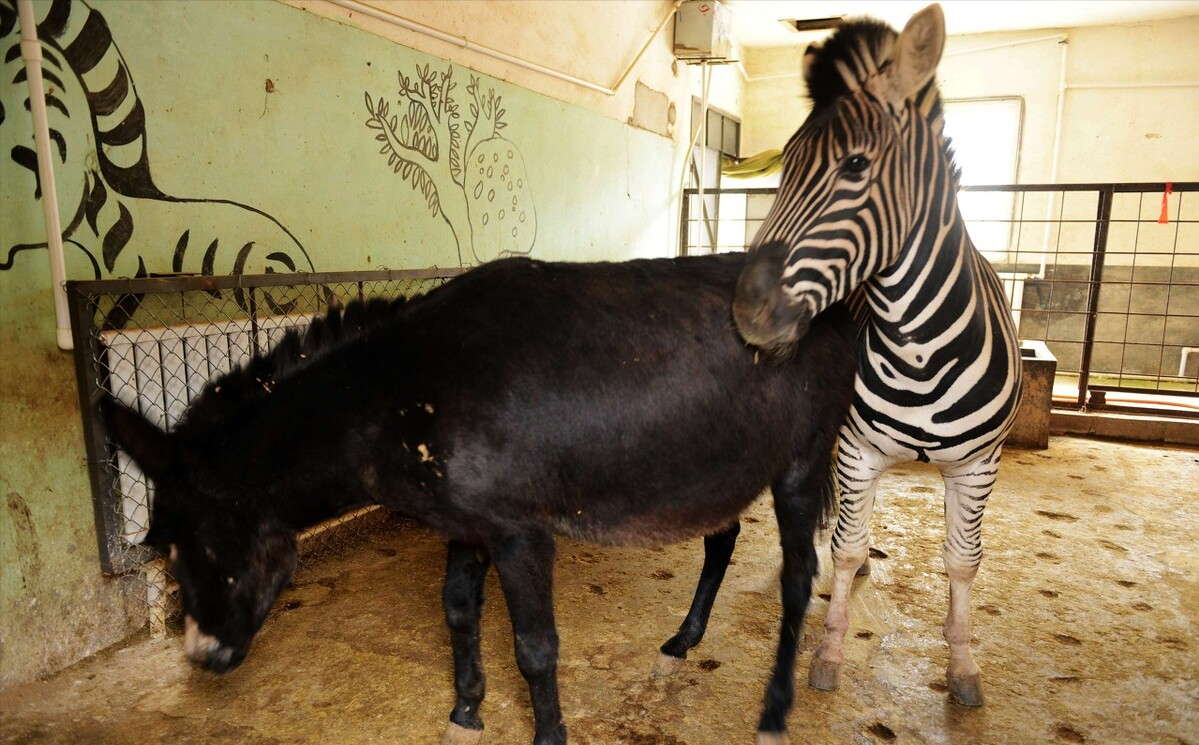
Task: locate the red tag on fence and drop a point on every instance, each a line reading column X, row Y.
column 1164, row 217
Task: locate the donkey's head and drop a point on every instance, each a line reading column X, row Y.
column 855, row 176
column 231, row 559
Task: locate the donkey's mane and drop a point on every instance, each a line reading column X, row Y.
column 297, row 350
column 861, row 48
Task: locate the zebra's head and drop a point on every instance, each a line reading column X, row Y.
column 855, row 176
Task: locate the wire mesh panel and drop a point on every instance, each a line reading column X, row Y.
column 154, row 344
column 1107, row 275
column 1111, row 284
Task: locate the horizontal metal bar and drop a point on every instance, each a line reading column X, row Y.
column 1126, row 188
column 1131, row 188
column 197, row 282
column 1146, row 391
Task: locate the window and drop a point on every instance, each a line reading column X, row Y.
column 724, row 132
column 723, row 139
column 985, row 136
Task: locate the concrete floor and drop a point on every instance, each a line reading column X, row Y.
column 1086, row 612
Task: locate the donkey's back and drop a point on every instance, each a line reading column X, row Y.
column 613, row 402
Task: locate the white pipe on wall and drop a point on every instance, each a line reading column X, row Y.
column 705, row 83
column 1005, row 45
column 31, row 51
column 1089, row 86
column 1055, row 153
column 465, row 43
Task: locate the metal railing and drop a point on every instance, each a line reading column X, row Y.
column 1090, row 271
column 153, row 344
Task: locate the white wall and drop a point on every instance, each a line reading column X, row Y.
column 1110, row 131
column 1109, row 134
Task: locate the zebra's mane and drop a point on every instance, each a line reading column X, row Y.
column 856, row 51
column 297, row 350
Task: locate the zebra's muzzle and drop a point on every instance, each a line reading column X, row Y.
column 762, row 311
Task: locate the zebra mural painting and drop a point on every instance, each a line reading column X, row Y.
column 866, row 210
column 102, row 158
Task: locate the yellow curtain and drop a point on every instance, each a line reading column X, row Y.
column 762, row 164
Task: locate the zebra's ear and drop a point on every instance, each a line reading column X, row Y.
column 809, row 56
column 917, row 52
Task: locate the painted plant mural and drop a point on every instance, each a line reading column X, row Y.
column 114, row 215
column 468, row 174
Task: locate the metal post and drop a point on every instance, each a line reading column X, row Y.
column 685, row 225
column 1103, row 217
column 157, row 594
column 86, row 353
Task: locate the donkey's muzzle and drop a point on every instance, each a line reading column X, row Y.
column 761, row 309
column 207, row 651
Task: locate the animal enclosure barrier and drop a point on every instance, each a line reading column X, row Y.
column 153, row 344
column 1106, row 275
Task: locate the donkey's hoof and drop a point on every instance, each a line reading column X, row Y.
column 864, row 570
column 666, row 665
column 824, row 675
column 456, row 734
column 966, row 690
column 773, row 738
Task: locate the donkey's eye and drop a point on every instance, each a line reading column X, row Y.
column 855, row 164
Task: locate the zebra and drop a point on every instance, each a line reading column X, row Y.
column 866, row 210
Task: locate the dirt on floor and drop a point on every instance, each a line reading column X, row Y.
column 1085, row 616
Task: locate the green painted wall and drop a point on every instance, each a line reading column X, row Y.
column 257, row 150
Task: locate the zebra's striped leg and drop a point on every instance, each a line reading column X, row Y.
column 858, row 471
column 966, row 490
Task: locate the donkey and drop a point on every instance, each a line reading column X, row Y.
column 610, row 402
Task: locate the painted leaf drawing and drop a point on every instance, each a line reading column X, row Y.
column 481, row 188
column 400, row 136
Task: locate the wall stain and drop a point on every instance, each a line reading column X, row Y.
column 28, row 557
column 653, row 111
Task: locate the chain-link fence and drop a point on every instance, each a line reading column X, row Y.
column 154, row 343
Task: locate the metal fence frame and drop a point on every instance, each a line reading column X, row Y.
column 118, row 556
column 1091, row 395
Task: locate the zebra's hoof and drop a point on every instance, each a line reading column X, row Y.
column 966, row 690
column 456, row 734
column 666, row 665
column 773, row 738
column 824, row 675
column 864, row 570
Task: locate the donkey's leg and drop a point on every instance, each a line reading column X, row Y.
column 858, row 470
column 465, row 570
column 967, row 487
column 718, row 549
column 797, row 507
column 525, row 563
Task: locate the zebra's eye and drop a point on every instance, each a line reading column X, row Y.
column 855, row 164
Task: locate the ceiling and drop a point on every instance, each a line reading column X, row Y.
column 757, row 22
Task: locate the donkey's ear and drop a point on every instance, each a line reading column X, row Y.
column 917, row 52
column 150, row 447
